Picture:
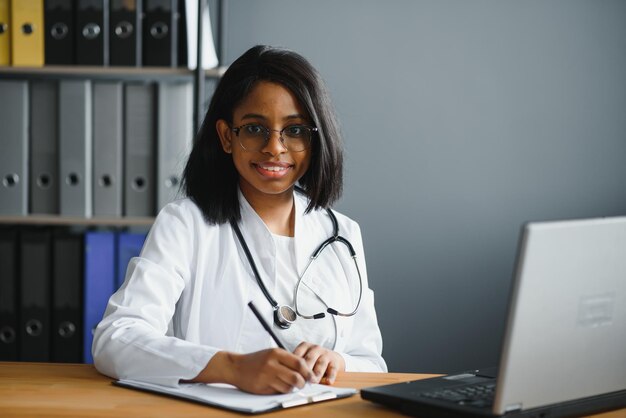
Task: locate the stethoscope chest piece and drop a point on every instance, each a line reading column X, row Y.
column 284, row 316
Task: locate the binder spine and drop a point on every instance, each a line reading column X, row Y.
column 35, row 267
column 27, row 30
column 99, row 282
column 67, row 295
column 92, row 32
column 9, row 323
column 125, row 32
column 60, row 33
column 75, row 142
column 107, row 147
column 160, row 33
column 44, row 166
column 139, row 165
column 5, row 33
column 174, row 136
column 14, row 155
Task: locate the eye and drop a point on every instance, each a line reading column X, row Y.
column 296, row 131
column 255, row 130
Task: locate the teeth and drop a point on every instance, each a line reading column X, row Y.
column 274, row 168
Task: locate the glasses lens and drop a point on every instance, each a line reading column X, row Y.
column 253, row 137
column 296, row 137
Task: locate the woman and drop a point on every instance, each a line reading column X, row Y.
column 266, row 165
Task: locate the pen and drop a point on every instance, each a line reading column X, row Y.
column 266, row 325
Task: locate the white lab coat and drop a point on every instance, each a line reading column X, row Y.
column 184, row 298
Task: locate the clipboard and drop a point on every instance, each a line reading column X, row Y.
column 229, row 397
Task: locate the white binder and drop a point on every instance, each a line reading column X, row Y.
column 107, row 148
column 14, row 148
column 75, row 144
column 175, row 134
column 44, row 164
column 139, row 150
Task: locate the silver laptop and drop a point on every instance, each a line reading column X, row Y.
column 564, row 348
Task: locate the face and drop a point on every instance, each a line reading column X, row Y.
column 273, row 170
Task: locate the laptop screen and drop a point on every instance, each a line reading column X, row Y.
column 566, row 330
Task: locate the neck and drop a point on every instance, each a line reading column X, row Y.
column 276, row 211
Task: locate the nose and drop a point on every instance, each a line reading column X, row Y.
column 274, row 144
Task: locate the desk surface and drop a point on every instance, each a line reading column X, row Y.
column 78, row 390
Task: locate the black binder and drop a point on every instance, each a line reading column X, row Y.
column 182, row 33
column 60, row 32
column 92, row 27
column 8, row 295
column 125, row 33
column 67, row 278
column 35, row 272
column 160, row 33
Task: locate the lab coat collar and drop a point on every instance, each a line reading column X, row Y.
column 308, row 233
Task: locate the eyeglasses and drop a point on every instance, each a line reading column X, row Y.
column 253, row 136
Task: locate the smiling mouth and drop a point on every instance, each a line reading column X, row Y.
column 273, row 170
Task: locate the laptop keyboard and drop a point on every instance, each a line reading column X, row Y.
column 480, row 396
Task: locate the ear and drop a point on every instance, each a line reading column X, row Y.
column 224, row 132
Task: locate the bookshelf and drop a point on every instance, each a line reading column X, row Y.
column 77, row 260
column 105, row 73
column 152, row 76
column 202, row 81
column 55, row 220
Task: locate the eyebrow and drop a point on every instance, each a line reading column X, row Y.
column 258, row 116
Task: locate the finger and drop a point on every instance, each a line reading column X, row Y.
column 297, row 364
column 292, row 378
column 280, row 386
column 331, row 373
column 302, row 348
column 320, row 367
column 313, row 354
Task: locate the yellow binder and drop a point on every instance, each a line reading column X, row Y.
column 5, row 38
column 27, row 33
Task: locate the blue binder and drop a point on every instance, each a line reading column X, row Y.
column 99, row 282
column 128, row 246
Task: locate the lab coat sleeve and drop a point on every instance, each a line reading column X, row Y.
column 131, row 341
column 363, row 350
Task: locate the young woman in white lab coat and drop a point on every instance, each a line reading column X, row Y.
column 182, row 311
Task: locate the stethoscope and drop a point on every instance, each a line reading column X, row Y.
column 285, row 315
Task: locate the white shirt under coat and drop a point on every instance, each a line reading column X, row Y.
column 185, row 297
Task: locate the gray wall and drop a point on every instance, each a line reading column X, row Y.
column 462, row 119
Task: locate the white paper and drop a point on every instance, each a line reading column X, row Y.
column 209, row 57
column 227, row 396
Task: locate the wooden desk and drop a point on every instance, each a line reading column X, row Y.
column 78, row 390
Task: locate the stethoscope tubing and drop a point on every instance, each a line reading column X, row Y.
column 334, row 238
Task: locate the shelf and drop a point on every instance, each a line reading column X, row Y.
column 105, row 73
column 74, row 221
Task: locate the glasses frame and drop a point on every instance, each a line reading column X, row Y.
column 268, row 133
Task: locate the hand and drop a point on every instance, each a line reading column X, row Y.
column 324, row 363
column 263, row 372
